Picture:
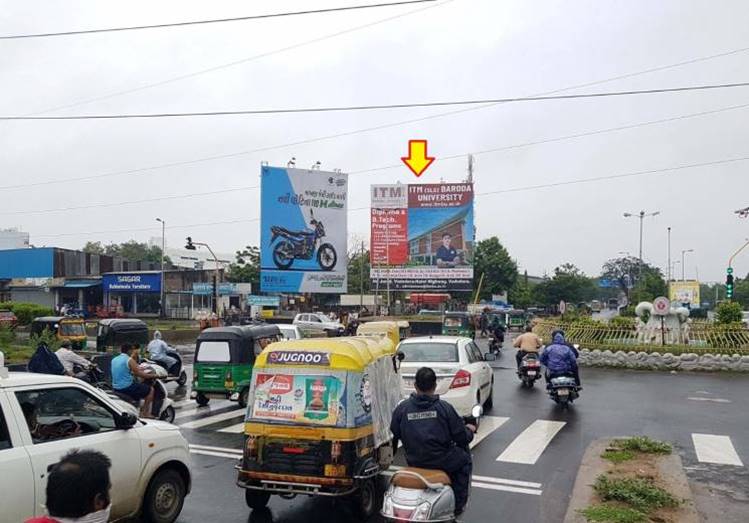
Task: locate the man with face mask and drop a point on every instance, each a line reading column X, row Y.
column 78, row 489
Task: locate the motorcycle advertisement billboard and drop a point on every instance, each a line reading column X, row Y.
column 422, row 237
column 303, row 230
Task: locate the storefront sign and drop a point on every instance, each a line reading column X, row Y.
column 264, row 301
column 224, row 289
column 132, row 282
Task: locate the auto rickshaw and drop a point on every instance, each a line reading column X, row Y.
column 389, row 329
column 404, row 329
column 458, row 324
column 112, row 333
column 65, row 328
column 224, row 357
column 516, row 319
column 318, row 420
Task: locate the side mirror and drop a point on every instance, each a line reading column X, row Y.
column 126, row 421
column 401, row 356
column 477, row 411
column 490, row 356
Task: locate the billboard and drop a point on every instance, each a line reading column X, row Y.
column 685, row 293
column 303, row 230
column 422, row 236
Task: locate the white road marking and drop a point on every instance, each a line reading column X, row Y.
column 715, row 449
column 516, row 483
column 216, row 449
column 504, row 488
column 531, row 443
column 487, row 425
column 213, row 407
column 214, row 454
column 210, row 420
column 234, row 429
column 714, row 400
column 182, row 403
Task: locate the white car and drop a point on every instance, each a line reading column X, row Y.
column 464, row 378
column 290, row 332
column 150, row 471
column 318, row 323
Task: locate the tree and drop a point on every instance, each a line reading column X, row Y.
column 568, row 284
column 93, row 248
column 626, row 271
column 358, row 264
column 246, row 267
column 500, row 272
column 649, row 287
column 521, row 294
column 740, row 291
column 728, row 312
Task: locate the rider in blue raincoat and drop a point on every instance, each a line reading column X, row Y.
column 560, row 359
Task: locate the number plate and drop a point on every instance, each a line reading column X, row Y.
column 531, row 373
column 409, row 384
column 563, row 392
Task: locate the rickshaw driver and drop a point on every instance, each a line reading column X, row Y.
column 434, row 435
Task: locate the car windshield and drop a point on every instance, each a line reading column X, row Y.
column 430, row 351
column 214, row 352
column 453, row 322
column 72, row 329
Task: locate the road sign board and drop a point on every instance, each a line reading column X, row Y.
column 661, row 306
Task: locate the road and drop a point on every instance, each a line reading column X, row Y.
column 529, row 451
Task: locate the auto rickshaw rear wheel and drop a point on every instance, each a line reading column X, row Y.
column 366, row 498
column 201, row 399
column 243, row 397
column 256, row 499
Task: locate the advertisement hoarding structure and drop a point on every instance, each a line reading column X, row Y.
column 686, row 293
column 303, row 231
column 422, row 237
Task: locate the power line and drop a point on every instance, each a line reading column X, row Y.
column 212, row 21
column 142, row 170
column 239, row 61
column 664, row 170
column 412, row 105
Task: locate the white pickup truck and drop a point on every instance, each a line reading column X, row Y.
column 42, row 417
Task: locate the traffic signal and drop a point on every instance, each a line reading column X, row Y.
column 729, row 284
column 189, row 246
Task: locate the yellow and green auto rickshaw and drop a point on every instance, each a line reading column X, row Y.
column 318, row 420
column 388, row 329
column 224, row 357
column 64, row 328
column 458, row 324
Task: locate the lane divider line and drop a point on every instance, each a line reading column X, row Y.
column 531, row 443
column 210, row 420
column 711, row 448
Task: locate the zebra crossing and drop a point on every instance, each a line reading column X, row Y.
column 526, row 448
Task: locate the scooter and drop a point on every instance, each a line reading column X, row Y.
column 301, row 245
column 563, row 390
column 420, row 494
column 162, row 406
column 495, row 345
column 530, row 370
column 177, row 372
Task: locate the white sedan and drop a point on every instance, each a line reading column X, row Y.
column 464, row 379
column 290, row 332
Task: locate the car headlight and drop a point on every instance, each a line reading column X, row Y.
column 387, row 506
column 422, row 512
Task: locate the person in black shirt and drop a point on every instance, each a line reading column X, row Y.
column 447, row 255
column 434, row 436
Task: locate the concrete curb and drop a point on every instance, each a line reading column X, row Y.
column 670, row 468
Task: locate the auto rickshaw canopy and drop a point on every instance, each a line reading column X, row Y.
column 350, row 353
column 240, row 338
column 391, row 329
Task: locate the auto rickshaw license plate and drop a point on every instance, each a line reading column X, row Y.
column 335, row 470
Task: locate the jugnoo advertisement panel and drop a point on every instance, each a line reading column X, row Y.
column 422, row 236
column 303, row 230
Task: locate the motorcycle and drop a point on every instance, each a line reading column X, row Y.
column 176, row 373
column 495, row 345
column 302, row 245
column 530, row 370
column 92, row 374
column 162, row 406
column 563, row 390
column 421, row 494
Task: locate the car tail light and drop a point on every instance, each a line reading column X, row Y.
column 461, row 379
column 250, row 447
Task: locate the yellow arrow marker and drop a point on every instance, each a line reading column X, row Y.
column 417, row 159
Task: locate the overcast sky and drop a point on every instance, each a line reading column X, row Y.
column 454, row 50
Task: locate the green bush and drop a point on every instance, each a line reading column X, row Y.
column 612, row 514
column 728, row 312
column 7, row 337
column 643, row 444
column 641, row 494
column 26, row 312
column 627, row 312
column 47, row 337
column 622, row 322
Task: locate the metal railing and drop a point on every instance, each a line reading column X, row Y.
column 702, row 338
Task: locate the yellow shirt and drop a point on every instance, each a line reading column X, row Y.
column 528, row 342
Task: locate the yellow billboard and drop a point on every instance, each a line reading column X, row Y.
column 685, row 293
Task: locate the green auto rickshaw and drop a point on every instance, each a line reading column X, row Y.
column 458, row 324
column 224, row 357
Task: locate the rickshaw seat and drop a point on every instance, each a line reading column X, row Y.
column 416, row 478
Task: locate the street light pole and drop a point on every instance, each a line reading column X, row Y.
column 162, row 309
column 683, row 266
column 191, row 246
column 641, row 215
column 669, row 255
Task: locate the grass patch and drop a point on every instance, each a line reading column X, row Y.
column 618, row 456
column 642, row 444
column 612, row 514
column 641, row 494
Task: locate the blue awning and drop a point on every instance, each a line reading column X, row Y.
column 81, row 284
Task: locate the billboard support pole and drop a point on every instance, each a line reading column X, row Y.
column 361, row 278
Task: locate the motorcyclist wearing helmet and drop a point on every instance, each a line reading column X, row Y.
column 560, row 359
column 434, row 436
